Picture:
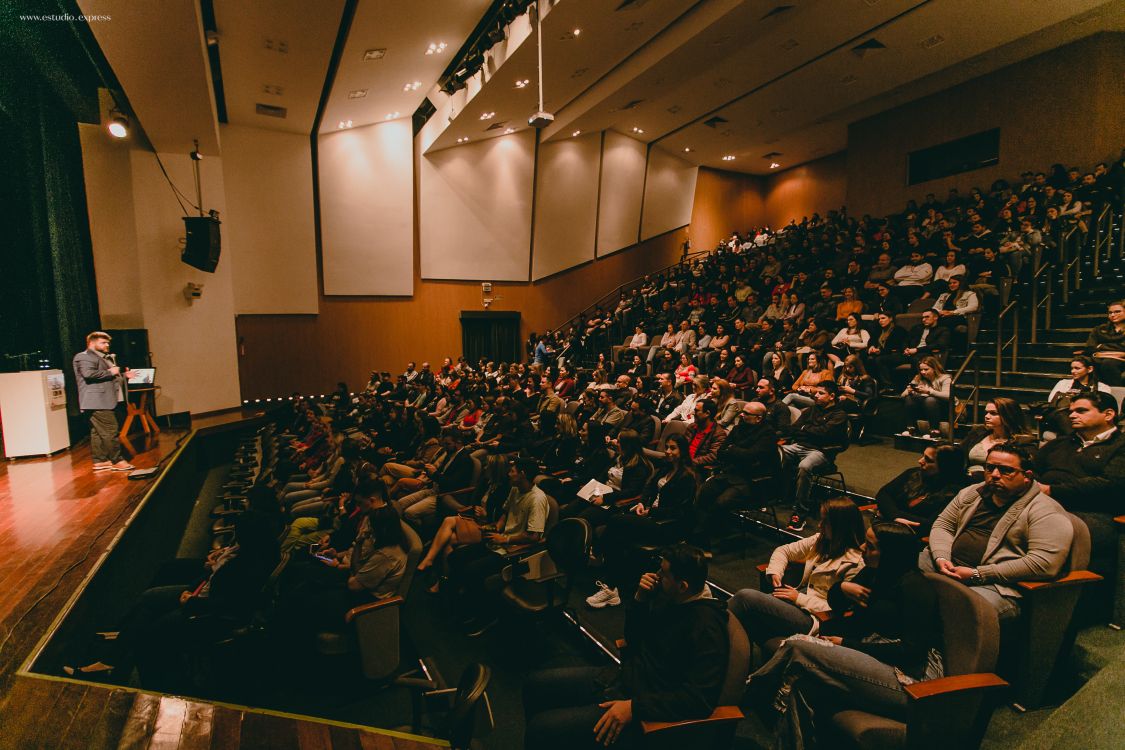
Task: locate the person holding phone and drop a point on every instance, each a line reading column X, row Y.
column 829, row 556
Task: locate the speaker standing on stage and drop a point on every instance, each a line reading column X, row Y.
column 100, row 389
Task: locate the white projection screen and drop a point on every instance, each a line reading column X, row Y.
column 267, row 175
column 669, row 193
column 622, row 187
column 367, row 211
column 566, row 205
column 475, row 206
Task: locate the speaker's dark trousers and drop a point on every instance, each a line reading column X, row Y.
column 104, row 445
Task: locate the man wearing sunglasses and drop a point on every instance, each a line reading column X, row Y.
column 998, row 533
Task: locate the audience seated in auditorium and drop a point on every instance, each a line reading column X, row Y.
column 1083, row 379
column 916, row 496
column 831, row 555
column 891, row 638
column 812, row 443
column 673, row 667
column 927, row 339
column 927, row 397
column 1106, row 344
column 1003, row 423
column 663, row 514
column 995, row 534
column 1085, row 472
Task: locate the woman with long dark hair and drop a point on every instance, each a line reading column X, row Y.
column 1083, row 379
column 1003, row 423
column 891, row 638
column 829, row 556
column 918, row 495
column 663, row 515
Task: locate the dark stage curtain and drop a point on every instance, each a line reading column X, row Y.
column 493, row 336
column 47, row 285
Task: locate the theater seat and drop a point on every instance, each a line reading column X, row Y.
column 950, row 712
column 373, row 629
column 542, row 582
column 717, row 730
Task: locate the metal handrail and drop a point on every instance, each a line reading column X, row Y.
column 1101, row 236
column 1001, row 344
column 1048, row 298
column 687, row 257
column 974, row 395
column 1070, row 264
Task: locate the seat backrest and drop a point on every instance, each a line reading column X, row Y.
column 572, row 406
column 1119, row 394
column 970, row 627
column 794, row 414
column 568, row 544
column 552, row 514
column 656, row 430
column 675, row 427
column 475, row 480
column 471, row 715
column 738, row 663
column 413, row 554
column 1079, row 556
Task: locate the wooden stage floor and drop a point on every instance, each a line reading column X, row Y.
column 56, row 519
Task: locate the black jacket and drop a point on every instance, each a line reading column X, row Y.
column 456, row 474
column 676, row 660
column 677, row 497
column 905, row 614
column 665, row 404
column 910, row 496
column 937, row 340
column 1080, row 478
column 750, row 451
column 821, row 428
column 896, row 340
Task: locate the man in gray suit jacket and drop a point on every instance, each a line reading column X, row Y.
column 100, row 389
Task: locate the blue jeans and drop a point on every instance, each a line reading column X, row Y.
column 809, row 462
column 1006, row 606
column 819, row 679
column 764, row 616
column 561, row 708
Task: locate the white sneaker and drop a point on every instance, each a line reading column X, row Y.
column 604, row 597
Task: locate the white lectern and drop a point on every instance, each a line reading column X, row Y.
column 33, row 412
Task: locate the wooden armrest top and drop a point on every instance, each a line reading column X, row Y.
column 762, row 567
column 956, row 684
column 719, row 715
column 822, row 616
column 1119, row 520
column 620, row 643
column 1075, row 578
column 461, row 491
column 354, row 612
column 870, row 508
column 626, row 500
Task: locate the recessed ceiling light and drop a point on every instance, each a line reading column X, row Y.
column 487, row 115
column 357, row 94
column 374, row 54
column 576, row 32
column 344, row 124
column 413, row 86
column 464, row 139
column 522, row 83
column 774, row 165
column 638, row 130
column 576, row 133
column 435, row 48
column 509, row 131
column 728, row 157
column 391, row 116
column 687, row 149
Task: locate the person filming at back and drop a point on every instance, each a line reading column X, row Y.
column 100, row 390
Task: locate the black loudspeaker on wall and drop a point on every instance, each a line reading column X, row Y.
column 131, row 346
column 201, row 250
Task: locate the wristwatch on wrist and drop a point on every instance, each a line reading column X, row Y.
column 975, row 578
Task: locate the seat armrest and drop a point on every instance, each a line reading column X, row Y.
column 957, row 684
column 363, row 609
column 627, row 501
column 1120, row 521
column 1076, row 578
column 721, row 715
column 871, row 508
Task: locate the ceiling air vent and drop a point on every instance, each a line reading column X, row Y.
column 866, row 48
column 848, row 80
column 271, row 111
column 777, row 11
column 789, row 44
column 495, row 126
column 933, row 41
column 771, row 155
column 630, row 105
column 715, row 121
column 630, row 5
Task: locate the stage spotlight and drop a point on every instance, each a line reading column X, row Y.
column 497, row 34
column 118, row 125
